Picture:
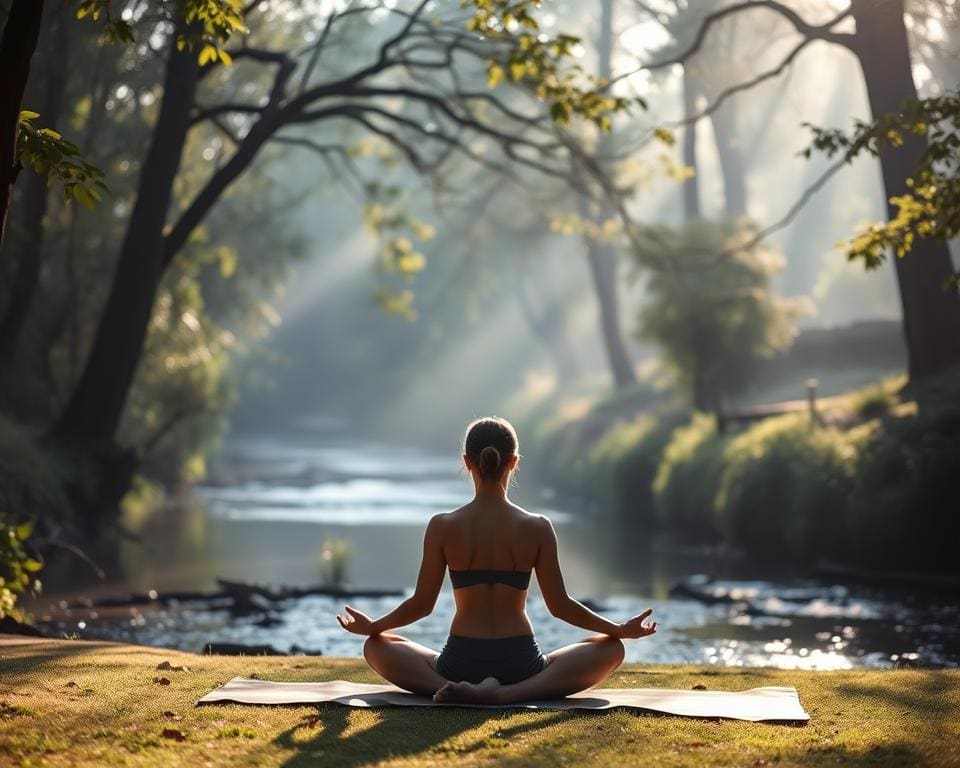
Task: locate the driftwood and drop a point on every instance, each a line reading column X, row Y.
column 238, row 596
column 276, row 593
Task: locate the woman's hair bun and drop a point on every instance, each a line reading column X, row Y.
column 489, row 462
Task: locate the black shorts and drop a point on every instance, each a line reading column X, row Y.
column 508, row 659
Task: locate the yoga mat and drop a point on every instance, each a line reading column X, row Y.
column 756, row 704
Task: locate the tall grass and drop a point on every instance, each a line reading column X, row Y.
column 687, row 480
column 784, row 489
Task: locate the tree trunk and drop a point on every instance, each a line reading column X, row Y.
column 691, row 186
column 731, row 159
column 603, row 268
column 29, row 245
column 19, row 41
column 931, row 314
column 603, row 258
column 95, row 408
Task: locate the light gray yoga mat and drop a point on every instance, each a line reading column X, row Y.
column 769, row 703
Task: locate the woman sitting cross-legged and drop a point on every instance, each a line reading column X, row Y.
column 491, row 546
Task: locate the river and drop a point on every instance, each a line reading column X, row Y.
column 273, row 502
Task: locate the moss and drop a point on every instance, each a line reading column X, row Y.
column 859, row 718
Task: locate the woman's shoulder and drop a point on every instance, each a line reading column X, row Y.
column 443, row 519
column 532, row 520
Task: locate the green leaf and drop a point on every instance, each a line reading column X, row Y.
column 24, row 530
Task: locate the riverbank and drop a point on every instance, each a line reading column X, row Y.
column 863, row 481
column 82, row 703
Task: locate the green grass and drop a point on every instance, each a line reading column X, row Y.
column 77, row 703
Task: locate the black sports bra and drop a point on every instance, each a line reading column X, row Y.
column 517, row 579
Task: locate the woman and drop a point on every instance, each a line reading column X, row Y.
column 491, row 546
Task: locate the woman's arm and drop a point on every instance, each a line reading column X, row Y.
column 565, row 608
column 420, row 603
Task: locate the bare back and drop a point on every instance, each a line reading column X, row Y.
column 491, row 535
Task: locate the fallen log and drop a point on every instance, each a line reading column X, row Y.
column 275, row 593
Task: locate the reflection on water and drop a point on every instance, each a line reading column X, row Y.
column 273, row 501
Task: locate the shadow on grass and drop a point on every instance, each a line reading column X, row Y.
column 395, row 735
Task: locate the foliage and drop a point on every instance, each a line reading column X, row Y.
column 31, row 481
column 687, row 480
column 711, row 307
column 17, row 569
column 211, row 24
column 784, row 486
column 932, row 206
column 903, row 508
column 541, row 60
column 873, row 402
column 48, row 153
column 399, row 262
column 625, row 461
column 182, row 387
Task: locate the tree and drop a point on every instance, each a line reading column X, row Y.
column 29, row 243
column 206, row 22
column 19, row 40
column 713, row 313
column 602, row 256
column 414, row 66
column 930, row 208
column 880, row 44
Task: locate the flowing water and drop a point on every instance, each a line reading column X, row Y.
column 274, row 501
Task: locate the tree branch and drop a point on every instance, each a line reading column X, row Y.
column 744, row 86
column 813, row 32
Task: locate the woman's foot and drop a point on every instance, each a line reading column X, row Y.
column 484, row 692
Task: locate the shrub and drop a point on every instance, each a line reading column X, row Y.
column 716, row 314
column 785, row 488
column 624, row 462
column 873, row 403
column 17, row 568
column 32, row 481
column 904, row 511
column 687, row 480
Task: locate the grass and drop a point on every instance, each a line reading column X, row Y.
column 80, row 703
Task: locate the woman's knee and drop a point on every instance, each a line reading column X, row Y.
column 373, row 647
column 613, row 646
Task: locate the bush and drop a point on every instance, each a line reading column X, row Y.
column 557, row 451
column 873, row 403
column 17, row 568
column 904, row 511
column 687, row 480
column 716, row 314
column 624, row 462
column 785, row 488
column 31, row 482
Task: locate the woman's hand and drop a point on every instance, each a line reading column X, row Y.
column 356, row 622
column 636, row 627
